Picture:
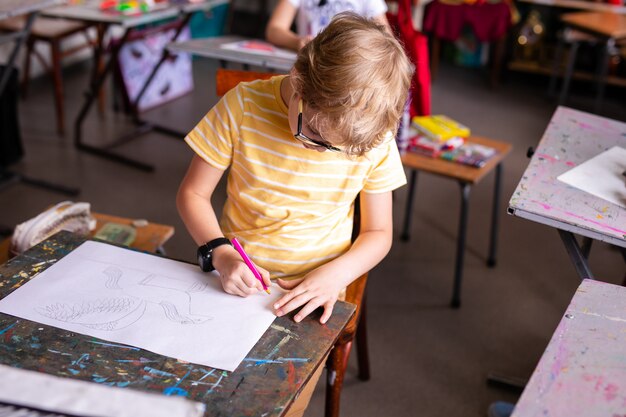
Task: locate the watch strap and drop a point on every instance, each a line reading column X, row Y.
column 212, row 244
column 205, row 253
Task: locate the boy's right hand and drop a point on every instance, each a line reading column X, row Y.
column 236, row 277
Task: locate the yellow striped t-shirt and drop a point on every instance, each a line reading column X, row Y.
column 290, row 207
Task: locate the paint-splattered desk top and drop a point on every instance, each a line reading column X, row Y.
column 583, row 370
column 265, row 383
column 572, row 137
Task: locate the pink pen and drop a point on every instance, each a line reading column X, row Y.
column 249, row 263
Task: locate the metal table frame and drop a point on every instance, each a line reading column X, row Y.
column 181, row 13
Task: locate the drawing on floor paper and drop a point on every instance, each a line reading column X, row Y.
column 165, row 306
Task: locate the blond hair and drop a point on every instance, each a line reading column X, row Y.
column 355, row 77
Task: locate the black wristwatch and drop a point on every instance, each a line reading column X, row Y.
column 205, row 253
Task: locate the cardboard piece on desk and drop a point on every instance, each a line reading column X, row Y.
column 601, row 176
column 165, row 306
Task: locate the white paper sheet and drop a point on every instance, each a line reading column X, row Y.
column 601, row 176
column 165, row 306
column 87, row 399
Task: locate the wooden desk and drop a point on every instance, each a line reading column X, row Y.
column 580, row 5
column 212, row 48
column 466, row 176
column 91, row 13
column 582, row 372
column 572, row 137
column 265, row 384
column 149, row 238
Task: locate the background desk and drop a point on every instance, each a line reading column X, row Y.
column 149, row 238
column 264, row 384
column 212, row 48
column 572, row 137
column 466, row 176
column 91, row 13
column 582, row 371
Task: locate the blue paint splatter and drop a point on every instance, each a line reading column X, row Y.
column 113, row 345
column 157, row 372
column 6, row 329
column 175, row 390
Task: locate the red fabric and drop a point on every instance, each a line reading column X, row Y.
column 416, row 47
column 489, row 21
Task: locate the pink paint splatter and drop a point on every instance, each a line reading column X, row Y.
column 548, row 157
column 610, row 392
column 570, row 164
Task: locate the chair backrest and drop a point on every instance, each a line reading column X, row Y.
column 226, row 79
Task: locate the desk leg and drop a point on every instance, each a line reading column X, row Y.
column 91, row 95
column 576, row 254
column 19, row 39
column 460, row 247
column 406, row 228
column 568, row 72
column 556, row 66
column 495, row 215
column 603, row 67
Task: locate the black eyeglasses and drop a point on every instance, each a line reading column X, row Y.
column 305, row 139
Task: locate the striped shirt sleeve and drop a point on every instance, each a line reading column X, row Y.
column 388, row 173
column 216, row 135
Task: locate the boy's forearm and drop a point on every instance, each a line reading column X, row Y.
column 366, row 252
column 199, row 217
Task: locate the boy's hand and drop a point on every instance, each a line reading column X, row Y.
column 236, row 277
column 313, row 291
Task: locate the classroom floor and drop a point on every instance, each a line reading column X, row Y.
column 426, row 359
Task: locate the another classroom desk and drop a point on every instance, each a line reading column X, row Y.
column 607, row 28
column 265, row 383
column 466, row 176
column 149, row 238
column 212, row 48
column 572, row 137
column 582, row 372
column 90, row 12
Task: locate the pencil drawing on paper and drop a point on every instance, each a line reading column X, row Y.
column 123, row 301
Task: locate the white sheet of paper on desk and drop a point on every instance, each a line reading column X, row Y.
column 259, row 48
column 161, row 305
column 601, row 176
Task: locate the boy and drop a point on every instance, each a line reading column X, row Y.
column 300, row 150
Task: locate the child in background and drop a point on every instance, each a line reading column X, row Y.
column 301, row 148
column 313, row 16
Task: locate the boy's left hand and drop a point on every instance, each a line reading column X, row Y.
column 313, row 291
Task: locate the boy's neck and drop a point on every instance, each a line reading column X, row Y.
column 286, row 91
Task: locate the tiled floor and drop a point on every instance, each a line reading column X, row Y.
column 427, row 359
